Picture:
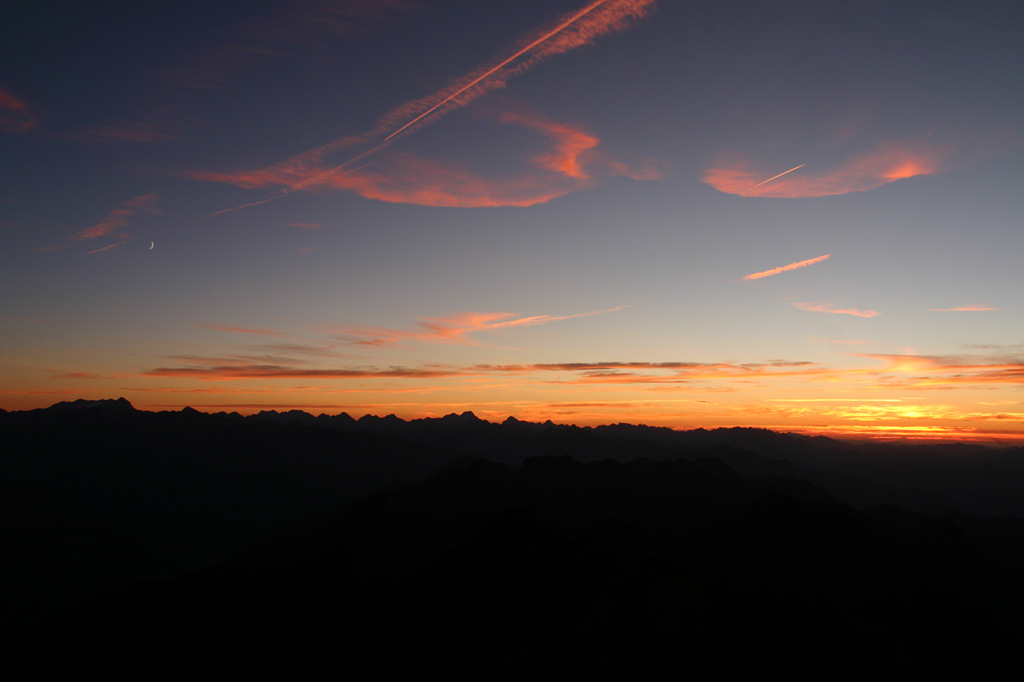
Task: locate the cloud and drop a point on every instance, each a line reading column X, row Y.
column 886, row 163
column 15, row 115
column 969, row 308
column 120, row 216
column 269, row 371
column 829, row 308
column 933, row 371
column 454, row 329
column 785, row 268
column 573, row 30
column 567, row 162
column 73, row 375
column 415, row 180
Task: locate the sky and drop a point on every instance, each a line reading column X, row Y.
column 803, row 216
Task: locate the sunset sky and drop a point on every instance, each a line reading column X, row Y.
column 804, row 216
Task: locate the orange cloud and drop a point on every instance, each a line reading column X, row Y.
column 828, row 308
column 785, row 268
column 571, row 31
column 120, row 216
column 15, row 115
column 929, row 371
column 268, row 371
column 414, row 180
column 969, row 308
column 887, row 163
column 74, row 375
column 567, row 165
column 456, row 328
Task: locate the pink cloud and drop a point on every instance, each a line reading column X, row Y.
column 786, row 268
column 969, row 308
column 829, row 308
column 415, row 180
column 15, row 115
column 120, row 216
column 568, row 162
column 886, row 163
column 454, row 329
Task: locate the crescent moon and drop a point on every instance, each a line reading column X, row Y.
column 151, row 245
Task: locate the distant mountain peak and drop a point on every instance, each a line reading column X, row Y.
column 464, row 418
column 82, row 404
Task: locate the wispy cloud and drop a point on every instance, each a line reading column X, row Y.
column 830, row 308
column 934, row 371
column 568, row 33
column 73, row 375
column 785, row 268
column 15, row 114
column 270, row 371
column 886, row 163
column 453, row 329
column 964, row 309
column 120, row 216
column 107, row 248
column 568, row 161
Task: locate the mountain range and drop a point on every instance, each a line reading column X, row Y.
column 138, row 541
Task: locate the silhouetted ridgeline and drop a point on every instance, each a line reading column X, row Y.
column 515, row 550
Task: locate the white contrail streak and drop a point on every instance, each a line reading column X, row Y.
column 776, row 176
column 555, row 31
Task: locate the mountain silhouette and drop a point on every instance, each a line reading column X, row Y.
column 293, row 543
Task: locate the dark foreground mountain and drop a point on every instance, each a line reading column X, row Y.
column 618, row 552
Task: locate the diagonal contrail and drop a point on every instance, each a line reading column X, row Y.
column 786, row 268
column 775, row 176
column 598, row 18
column 555, row 31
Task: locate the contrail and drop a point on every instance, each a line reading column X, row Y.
column 785, row 268
column 776, row 176
column 605, row 16
column 555, row 31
